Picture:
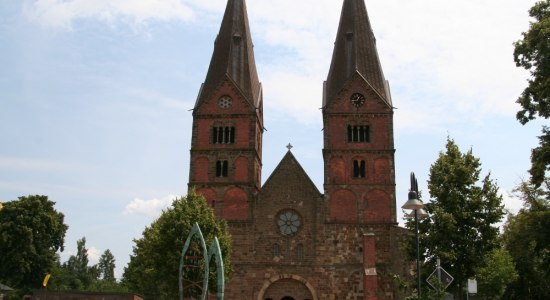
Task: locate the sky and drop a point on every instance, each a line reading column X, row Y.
column 95, row 97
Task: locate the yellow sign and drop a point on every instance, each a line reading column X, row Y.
column 45, row 282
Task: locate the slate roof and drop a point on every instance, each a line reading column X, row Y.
column 233, row 56
column 355, row 51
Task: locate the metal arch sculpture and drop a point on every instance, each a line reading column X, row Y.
column 213, row 252
column 216, row 252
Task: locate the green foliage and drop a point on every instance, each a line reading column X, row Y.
column 106, row 266
column 540, row 158
column 31, row 232
column 77, row 265
column 527, row 240
column 76, row 275
column 533, row 54
column 153, row 267
column 495, row 274
column 460, row 229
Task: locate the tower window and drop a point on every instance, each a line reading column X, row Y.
column 358, row 169
column 358, row 134
column 223, row 135
column 221, row 168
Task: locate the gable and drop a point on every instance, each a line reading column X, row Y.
column 375, row 102
column 289, row 176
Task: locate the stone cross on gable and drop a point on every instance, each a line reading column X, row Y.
column 289, row 146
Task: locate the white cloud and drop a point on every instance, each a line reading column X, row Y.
column 62, row 13
column 149, row 208
column 442, row 58
column 93, row 255
column 34, row 164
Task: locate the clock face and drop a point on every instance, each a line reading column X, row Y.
column 225, row 102
column 357, row 99
column 288, row 222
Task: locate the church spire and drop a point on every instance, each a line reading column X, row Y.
column 355, row 51
column 233, row 56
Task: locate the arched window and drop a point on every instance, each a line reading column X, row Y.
column 358, row 133
column 276, row 252
column 223, row 135
column 221, row 168
column 359, row 169
column 300, row 251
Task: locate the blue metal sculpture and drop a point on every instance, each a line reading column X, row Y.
column 190, row 273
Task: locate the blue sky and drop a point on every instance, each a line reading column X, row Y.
column 95, row 97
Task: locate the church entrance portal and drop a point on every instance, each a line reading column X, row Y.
column 287, row 287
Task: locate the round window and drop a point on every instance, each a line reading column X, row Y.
column 225, row 102
column 288, row 222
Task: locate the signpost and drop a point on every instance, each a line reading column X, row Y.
column 441, row 276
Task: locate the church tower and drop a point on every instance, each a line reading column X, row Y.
column 226, row 145
column 291, row 241
column 358, row 152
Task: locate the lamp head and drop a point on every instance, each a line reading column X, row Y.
column 413, row 202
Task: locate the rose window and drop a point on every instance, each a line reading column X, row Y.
column 289, row 222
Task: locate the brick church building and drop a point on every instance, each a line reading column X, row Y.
column 290, row 240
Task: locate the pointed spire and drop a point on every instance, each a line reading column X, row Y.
column 233, row 56
column 355, row 51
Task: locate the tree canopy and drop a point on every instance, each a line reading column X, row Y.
column 527, row 240
column 463, row 212
column 77, row 274
column 31, row 232
column 153, row 267
column 533, row 54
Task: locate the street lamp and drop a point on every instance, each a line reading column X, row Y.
column 418, row 212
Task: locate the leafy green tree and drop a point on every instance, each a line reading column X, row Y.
column 106, row 266
column 75, row 274
column 533, row 54
column 527, row 240
column 463, row 210
column 153, row 267
column 31, row 232
column 77, row 265
column 495, row 274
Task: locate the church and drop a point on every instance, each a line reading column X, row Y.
column 290, row 240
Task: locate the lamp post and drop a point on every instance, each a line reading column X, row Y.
column 418, row 212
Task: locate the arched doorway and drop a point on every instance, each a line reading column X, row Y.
column 287, row 287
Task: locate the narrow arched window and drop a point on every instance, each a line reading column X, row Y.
column 221, row 168
column 300, row 251
column 276, row 250
column 359, row 169
column 223, row 135
column 358, row 134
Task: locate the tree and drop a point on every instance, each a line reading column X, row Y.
column 75, row 274
column 495, row 274
column 527, row 240
column 106, row 266
column 533, row 54
column 77, row 265
column 460, row 228
column 153, row 267
column 31, row 232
